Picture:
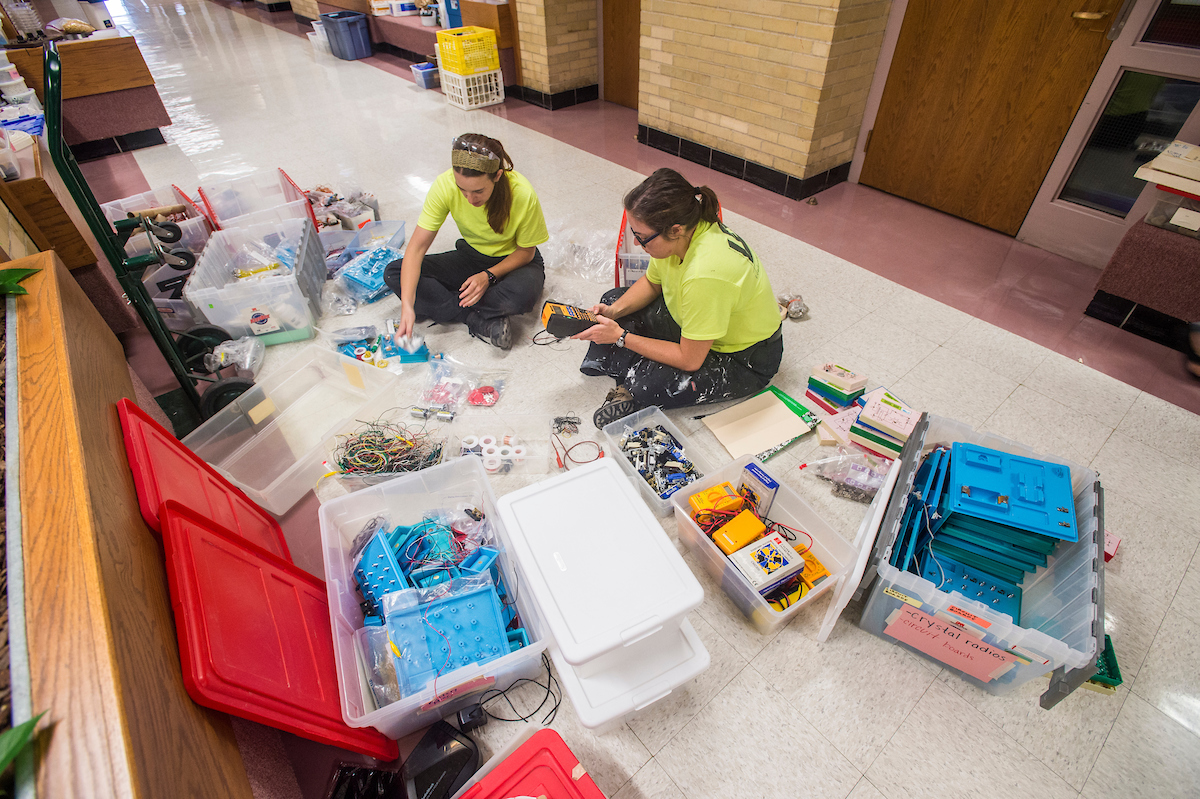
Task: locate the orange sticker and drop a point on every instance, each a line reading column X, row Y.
column 971, row 617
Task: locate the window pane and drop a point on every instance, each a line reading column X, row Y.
column 1142, row 117
column 1176, row 22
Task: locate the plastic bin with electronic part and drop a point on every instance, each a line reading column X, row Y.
column 835, row 553
column 505, row 443
column 651, row 417
column 269, row 442
column 406, row 500
column 1061, row 624
column 277, row 305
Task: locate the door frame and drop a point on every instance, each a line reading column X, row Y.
column 891, row 35
column 1075, row 231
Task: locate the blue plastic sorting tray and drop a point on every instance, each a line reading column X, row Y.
column 443, row 635
column 377, row 572
column 1009, row 491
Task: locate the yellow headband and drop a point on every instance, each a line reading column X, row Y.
column 466, row 159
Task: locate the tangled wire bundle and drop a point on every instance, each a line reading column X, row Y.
column 381, row 447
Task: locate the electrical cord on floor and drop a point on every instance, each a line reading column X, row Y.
column 553, row 696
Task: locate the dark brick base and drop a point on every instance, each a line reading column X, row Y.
column 102, row 148
column 553, row 102
column 770, row 179
column 1139, row 320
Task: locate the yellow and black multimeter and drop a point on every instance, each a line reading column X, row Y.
column 562, row 320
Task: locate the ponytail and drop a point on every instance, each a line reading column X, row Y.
column 666, row 199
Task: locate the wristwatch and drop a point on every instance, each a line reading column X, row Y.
column 492, row 279
column 621, row 340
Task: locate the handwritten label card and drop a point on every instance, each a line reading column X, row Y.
column 953, row 646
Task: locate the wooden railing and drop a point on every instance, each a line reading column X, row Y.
column 103, row 658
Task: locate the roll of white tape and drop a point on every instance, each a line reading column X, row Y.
column 491, row 452
column 518, row 454
column 487, row 441
column 505, row 452
column 491, row 465
column 470, row 442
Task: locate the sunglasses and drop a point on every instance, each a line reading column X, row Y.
column 643, row 242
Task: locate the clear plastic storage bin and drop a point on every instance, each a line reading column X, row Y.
column 389, row 408
column 1062, row 610
column 194, row 226
column 651, row 417
column 277, row 308
column 226, row 202
column 521, row 442
column 406, row 500
column 269, row 441
column 835, row 554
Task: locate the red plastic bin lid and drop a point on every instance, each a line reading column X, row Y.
column 542, row 766
column 254, row 635
column 164, row 469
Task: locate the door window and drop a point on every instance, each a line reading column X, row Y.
column 1143, row 116
column 1176, row 22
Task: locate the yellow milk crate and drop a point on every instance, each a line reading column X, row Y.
column 466, row 51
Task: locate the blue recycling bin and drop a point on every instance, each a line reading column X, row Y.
column 349, row 37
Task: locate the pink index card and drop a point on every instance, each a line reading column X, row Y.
column 888, row 414
column 949, row 644
column 839, row 424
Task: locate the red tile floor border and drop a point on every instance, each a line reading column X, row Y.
column 1025, row 290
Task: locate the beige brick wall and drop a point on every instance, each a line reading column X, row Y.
column 782, row 84
column 559, row 48
column 306, row 8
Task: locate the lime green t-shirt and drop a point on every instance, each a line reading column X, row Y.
column 526, row 225
column 719, row 291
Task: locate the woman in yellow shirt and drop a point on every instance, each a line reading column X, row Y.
column 495, row 270
column 702, row 325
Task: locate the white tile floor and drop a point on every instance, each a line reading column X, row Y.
column 777, row 715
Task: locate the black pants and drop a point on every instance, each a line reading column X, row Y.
column 722, row 376
column 443, row 274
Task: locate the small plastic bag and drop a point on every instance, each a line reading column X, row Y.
column 363, row 275
column 380, row 666
column 347, row 335
column 336, row 300
column 246, row 354
column 855, row 473
column 447, row 387
column 792, row 306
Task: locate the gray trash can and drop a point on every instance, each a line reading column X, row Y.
column 349, row 37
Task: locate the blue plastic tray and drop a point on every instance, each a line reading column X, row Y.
column 443, row 635
column 1011, row 491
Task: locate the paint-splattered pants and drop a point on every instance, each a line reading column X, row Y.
column 722, row 376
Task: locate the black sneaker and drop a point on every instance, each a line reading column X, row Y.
column 495, row 331
column 617, row 405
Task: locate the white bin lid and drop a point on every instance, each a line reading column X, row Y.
column 662, row 664
column 601, row 569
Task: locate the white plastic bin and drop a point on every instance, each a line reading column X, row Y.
column 834, row 552
column 269, row 440
column 651, row 417
column 1062, row 603
column 194, row 226
column 227, row 201
column 611, row 587
column 406, row 500
column 385, row 407
column 277, row 308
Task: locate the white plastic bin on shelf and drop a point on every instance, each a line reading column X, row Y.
column 269, row 440
column 194, row 226
column 406, row 500
column 835, row 554
column 165, row 283
column 277, row 308
column 227, row 201
column 651, row 417
column 613, row 591
column 1061, row 624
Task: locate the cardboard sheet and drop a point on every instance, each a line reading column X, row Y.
column 756, row 425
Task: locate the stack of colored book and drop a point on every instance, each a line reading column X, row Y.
column 834, row 388
column 883, row 424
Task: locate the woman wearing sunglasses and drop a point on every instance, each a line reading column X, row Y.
column 702, row 325
column 495, row 270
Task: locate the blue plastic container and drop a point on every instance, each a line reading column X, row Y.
column 426, row 75
column 349, row 37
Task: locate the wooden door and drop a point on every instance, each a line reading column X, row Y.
column 979, row 96
column 622, row 21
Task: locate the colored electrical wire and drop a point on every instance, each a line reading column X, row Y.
column 562, row 453
column 380, row 447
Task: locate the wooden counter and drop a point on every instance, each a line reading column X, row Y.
column 103, row 658
column 89, row 66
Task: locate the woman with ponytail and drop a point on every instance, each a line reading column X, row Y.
column 495, row 270
column 702, row 325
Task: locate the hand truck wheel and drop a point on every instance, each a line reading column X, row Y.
column 221, row 393
column 196, row 342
